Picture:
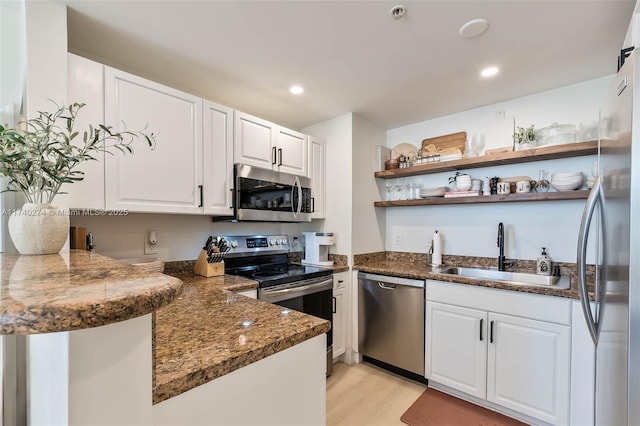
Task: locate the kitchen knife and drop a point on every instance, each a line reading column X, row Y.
column 208, row 243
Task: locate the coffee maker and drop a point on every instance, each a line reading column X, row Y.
column 316, row 248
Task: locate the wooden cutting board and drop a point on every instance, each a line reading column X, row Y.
column 454, row 140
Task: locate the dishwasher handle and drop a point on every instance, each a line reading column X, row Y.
column 390, row 280
column 386, row 286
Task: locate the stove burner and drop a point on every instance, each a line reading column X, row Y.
column 270, row 271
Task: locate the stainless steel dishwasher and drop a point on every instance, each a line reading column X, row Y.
column 391, row 321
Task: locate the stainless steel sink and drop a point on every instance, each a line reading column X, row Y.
column 517, row 278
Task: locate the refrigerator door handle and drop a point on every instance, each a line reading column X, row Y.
column 594, row 200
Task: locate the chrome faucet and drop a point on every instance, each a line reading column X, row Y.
column 501, row 259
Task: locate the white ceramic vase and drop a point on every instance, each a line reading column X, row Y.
column 39, row 228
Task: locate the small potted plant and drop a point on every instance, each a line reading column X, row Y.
column 41, row 155
column 462, row 181
column 525, row 138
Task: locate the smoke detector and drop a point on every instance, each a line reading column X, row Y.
column 473, row 28
column 397, row 11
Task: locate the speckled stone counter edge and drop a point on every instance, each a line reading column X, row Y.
column 48, row 311
column 202, row 373
column 414, row 265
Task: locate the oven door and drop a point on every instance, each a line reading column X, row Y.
column 267, row 195
column 313, row 296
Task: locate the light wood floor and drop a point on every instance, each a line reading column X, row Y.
column 362, row 394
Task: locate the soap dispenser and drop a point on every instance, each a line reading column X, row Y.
column 543, row 264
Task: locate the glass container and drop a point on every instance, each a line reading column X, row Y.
column 543, row 184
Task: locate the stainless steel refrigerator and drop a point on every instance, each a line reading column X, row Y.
column 611, row 221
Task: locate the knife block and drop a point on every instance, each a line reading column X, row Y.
column 205, row 269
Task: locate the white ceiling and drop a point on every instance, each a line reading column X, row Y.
column 352, row 56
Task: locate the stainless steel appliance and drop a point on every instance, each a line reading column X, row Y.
column 391, row 323
column 306, row 289
column 270, row 196
column 612, row 218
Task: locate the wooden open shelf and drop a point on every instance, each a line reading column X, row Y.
column 537, row 154
column 510, row 198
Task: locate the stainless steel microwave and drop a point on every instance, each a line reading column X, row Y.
column 270, row 196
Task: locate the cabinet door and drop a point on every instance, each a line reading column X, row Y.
column 255, row 141
column 339, row 325
column 456, row 347
column 85, row 84
column 317, row 173
column 218, row 159
column 291, row 151
column 168, row 178
column 528, row 367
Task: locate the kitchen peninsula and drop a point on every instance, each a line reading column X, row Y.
column 108, row 344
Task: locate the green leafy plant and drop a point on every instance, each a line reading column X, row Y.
column 525, row 135
column 452, row 179
column 43, row 153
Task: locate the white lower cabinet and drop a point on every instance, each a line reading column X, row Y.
column 460, row 362
column 528, row 367
column 507, row 348
column 340, row 312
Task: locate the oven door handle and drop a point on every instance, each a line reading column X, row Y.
column 297, row 291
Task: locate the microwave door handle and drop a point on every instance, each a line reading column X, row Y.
column 297, row 186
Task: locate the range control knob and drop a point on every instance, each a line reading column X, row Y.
column 271, row 242
column 234, row 244
column 284, row 241
column 277, row 242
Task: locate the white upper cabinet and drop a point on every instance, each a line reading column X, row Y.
column 291, row 150
column 218, row 159
column 169, row 178
column 317, row 173
column 255, row 141
column 269, row 146
column 85, row 84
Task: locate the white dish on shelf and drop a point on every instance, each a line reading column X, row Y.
column 566, row 186
column 566, row 176
column 432, row 192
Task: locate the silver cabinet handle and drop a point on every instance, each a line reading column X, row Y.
column 594, row 200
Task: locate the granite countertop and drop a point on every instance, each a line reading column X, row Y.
column 210, row 331
column 414, row 265
column 75, row 290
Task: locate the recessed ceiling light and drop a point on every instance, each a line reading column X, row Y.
column 473, row 28
column 296, row 90
column 489, row 72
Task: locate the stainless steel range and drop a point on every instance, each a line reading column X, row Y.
column 307, row 289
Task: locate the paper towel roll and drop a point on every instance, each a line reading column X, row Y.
column 436, row 259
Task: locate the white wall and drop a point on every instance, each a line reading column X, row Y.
column 338, row 133
column 369, row 225
column 472, row 229
column 180, row 237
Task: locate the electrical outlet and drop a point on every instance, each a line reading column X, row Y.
column 397, row 240
column 148, row 247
